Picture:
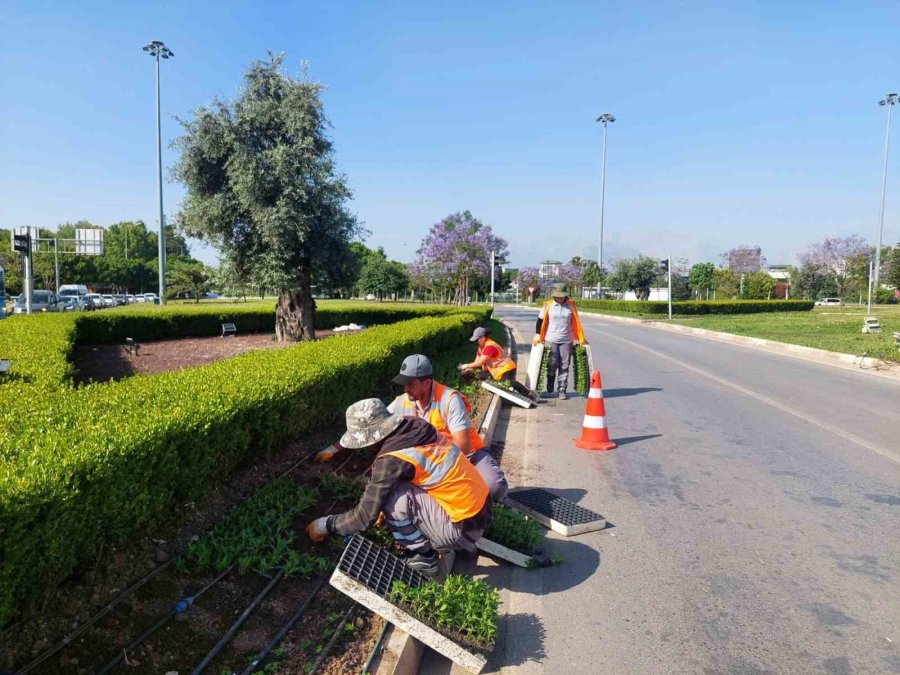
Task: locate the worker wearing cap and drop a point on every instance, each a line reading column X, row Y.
column 492, row 362
column 432, row 497
column 447, row 410
column 559, row 328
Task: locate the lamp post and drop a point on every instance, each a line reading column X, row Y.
column 605, row 119
column 889, row 101
column 158, row 51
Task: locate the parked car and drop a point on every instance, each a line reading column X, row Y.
column 87, row 303
column 370, row 296
column 109, row 300
column 97, row 299
column 151, row 298
column 828, row 301
column 41, row 301
column 72, row 289
column 130, row 299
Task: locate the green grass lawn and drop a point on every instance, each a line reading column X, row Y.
column 833, row 328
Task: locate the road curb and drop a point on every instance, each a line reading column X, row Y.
column 822, row 356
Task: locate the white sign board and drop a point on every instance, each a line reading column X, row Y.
column 89, row 241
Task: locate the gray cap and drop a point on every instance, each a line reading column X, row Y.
column 417, row 365
column 480, row 332
column 368, row 421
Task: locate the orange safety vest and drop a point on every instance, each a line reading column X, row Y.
column 576, row 323
column 448, row 476
column 502, row 364
column 440, row 399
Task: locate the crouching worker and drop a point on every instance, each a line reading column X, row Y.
column 491, row 362
column 447, row 410
column 431, row 496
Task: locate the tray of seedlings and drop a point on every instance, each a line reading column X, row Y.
column 505, row 390
column 457, row 617
column 514, row 537
column 582, row 366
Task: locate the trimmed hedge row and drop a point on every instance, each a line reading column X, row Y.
column 697, row 307
column 106, row 460
column 38, row 350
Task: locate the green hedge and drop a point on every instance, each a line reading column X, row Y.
column 81, row 466
column 697, row 307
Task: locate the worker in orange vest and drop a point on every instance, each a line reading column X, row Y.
column 432, row 497
column 559, row 329
column 492, row 362
column 447, row 410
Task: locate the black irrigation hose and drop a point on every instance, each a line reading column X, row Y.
column 124, row 594
column 279, row 636
column 334, row 637
column 374, row 652
column 237, row 624
column 180, row 607
column 90, row 622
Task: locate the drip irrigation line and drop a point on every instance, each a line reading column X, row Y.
column 90, row 622
column 334, row 637
column 237, row 624
column 365, row 668
column 179, row 607
column 124, row 594
column 279, row 636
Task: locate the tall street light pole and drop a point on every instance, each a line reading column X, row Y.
column 158, row 51
column 889, row 101
column 604, row 119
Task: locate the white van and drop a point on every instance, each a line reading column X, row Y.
column 68, row 290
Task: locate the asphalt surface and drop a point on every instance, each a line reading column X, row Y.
column 755, row 504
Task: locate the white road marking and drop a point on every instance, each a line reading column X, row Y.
column 837, row 431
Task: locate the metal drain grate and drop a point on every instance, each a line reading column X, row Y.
column 553, row 507
column 374, row 567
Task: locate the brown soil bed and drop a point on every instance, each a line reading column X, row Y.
column 185, row 640
column 100, row 363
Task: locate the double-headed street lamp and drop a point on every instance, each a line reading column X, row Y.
column 888, row 101
column 605, row 119
column 158, row 51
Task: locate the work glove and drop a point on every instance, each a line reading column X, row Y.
column 536, row 340
column 462, row 367
column 575, row 343
column 318, row 529
column 328, row 453
column 379, row 521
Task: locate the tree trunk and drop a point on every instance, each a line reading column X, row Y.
column 295, row 315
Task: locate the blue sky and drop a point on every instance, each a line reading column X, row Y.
column 753, row 123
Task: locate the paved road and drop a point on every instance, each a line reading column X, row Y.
column 756, row 509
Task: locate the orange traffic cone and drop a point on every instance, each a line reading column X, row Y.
column 594, row 435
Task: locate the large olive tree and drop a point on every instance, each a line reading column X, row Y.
column 263, row 189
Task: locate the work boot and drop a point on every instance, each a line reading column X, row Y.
column 563, row 395
column 428, row 564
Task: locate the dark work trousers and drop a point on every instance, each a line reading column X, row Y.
column 560, row 357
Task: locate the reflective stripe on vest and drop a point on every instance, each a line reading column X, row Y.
column 577, row 330
column 496, row 367
column 445, row 474
column 440, row 399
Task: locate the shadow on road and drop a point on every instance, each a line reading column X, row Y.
column 628, row 391
column 526, row 635
column 634, row 439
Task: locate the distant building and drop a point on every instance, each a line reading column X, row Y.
column 549, row 270
column 782, row 276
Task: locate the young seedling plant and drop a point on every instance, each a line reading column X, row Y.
column 580, row 374
column 515, row 530
column 257, row 536
column 461, row 608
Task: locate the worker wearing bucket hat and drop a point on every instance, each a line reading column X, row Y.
column 431, row 496
column 559, row 328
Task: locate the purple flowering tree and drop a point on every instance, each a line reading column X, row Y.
column 456, row 250
column 838, row 257
column 570, row 276
column 529, row 277
column 744, row 259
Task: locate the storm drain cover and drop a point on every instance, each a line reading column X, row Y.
column 556, row 508
column 374, row 567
